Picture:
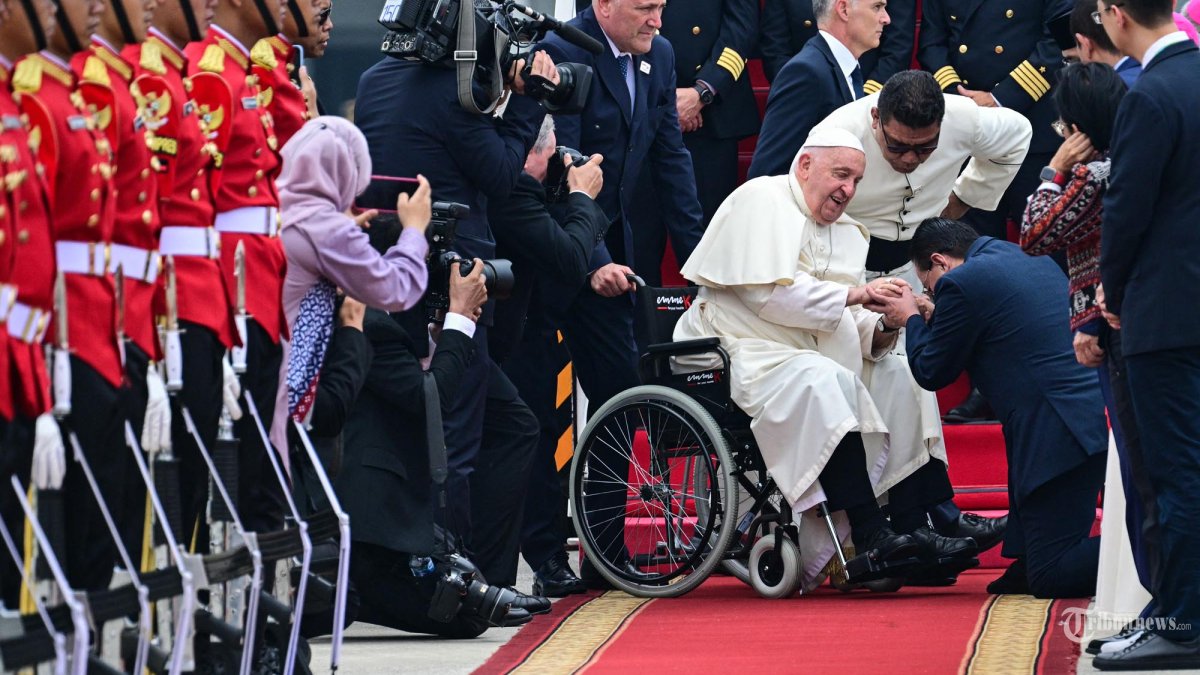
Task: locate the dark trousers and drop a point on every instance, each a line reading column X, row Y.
column 1051, row 529
column 201, row 395
column 97, row 420
column 134, row 397
column 15, row 459
column 260, row 498
column 1165, row 386
column 919, row 495
column 490, row 439
column 1012, row 204
column 389, row 595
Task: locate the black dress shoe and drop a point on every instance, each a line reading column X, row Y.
column 1014, row 581
column 554, row 579
column 887, row 545
column 987, row 532
column 534, row 604
column 935, row 547
column 1152, row 651
column 515, row 617
column 974, row 408
column 1125, row 633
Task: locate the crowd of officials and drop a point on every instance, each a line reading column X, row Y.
column 181, row 256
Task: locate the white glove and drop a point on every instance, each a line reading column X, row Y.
column 231, row 390
column 49, row 456
column 156, row 429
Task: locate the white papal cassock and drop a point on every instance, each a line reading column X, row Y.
column 773, row 286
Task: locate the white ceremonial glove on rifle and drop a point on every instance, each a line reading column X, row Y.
column 231, row 390
column 156, row 428
column 49, row 456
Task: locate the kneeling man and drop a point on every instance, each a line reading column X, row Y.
column 837, row 417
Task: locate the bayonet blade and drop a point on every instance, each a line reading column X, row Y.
column 119, row 294
column 239, row 270
column 60, row 311
column 172, row 293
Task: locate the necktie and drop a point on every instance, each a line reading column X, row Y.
column 623, row 62
column 856, row 79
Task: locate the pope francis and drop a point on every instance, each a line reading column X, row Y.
column 836, row 414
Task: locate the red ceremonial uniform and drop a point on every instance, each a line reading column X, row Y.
column 77, row 161
column 246, row 157
column 28, row 252
column 135, row 189
column 13, row 171
column 185, row 202
column 272, row 65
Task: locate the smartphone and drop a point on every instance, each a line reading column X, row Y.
column 383, row 191
column 297, row 62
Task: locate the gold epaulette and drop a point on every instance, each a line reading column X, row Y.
column 1031, row 80
column 263, row 54
column 95, row 71
column 27, row 76
column 732, row 62
column 946, row 77
column 151, row 58
column 871, row 87
column 213, row 60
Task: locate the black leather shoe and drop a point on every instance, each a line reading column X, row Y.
column 534, row 604
column 1125, row 633
column 987, row 532
column 515, row 617
column 1014, row 581
column 554, row 579
column 1152, row 652
column 887, row 545
column 974, row 408
column 935, row 547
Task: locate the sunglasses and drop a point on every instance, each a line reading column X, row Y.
column 901, row 148
column 323, row 15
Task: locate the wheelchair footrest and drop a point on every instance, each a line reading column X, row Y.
column 866, row 567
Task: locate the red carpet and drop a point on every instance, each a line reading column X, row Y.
column 724, row 625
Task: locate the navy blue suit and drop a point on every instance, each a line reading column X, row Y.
column 1129, row 69
column 1150, row 253
column 1002, row 316
column 806, row 90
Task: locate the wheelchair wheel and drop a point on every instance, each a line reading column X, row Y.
column 775, row 572
column 639, row 518
column 751, row 503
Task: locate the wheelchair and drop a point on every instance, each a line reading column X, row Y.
column 667, row 482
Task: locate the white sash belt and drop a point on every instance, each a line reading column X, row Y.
column 261, row 220
column 136, row 263
column 178, row 240
column 82, row 257
column 28, row 324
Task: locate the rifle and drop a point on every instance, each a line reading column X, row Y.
column 22, row 644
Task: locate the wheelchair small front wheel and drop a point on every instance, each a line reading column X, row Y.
column 775, row 571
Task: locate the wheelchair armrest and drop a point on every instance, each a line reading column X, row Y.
column 697, row 346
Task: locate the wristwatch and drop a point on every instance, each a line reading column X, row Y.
column 1050, row 174
column 883, row 328
column 706, row 95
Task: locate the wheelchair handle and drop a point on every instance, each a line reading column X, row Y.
column 637, row 281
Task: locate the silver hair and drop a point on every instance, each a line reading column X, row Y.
column 823, row 9
column 543, row 138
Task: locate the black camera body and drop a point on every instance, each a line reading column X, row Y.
column 555, row 182
column 497, row 273
column 427, row 31
column 459, row 587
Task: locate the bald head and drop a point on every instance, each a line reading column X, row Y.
column 828, row 177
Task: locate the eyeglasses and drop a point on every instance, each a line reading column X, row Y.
column 901, row 148
column 1097, row 14
column 1060, row 128
column 323, row 15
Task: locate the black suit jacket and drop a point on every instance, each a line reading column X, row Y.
column 808, row 88
column 712, row 40
column 1150, row 243
column 787, row 25
column 632, row 136
column 549, row 249
column 384, row 484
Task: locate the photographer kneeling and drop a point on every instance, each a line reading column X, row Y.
column 548, row 226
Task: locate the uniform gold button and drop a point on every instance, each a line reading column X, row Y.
column 999, row 49
column 807, row 23
column 695, row 30
column 93, row 220
column 23, row 237
column 95, row 195
column 697, row 69
column 258, row 175
column 195, row 194
column 200, row 172
column 1009, row 14
column 962, row 49
column 2, row 237
column 966, row 82
column 145, row 174
column 253, row 191
column 147, row 217
column 953, row 18
column 141, row 197
column 258, row 152
column 22, row 206
column 3, row 211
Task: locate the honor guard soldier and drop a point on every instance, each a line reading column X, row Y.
column 998, row 52
column 277, row 64
column 87, row 371
column 229, row 102
column 28, row 250
column 200, row 324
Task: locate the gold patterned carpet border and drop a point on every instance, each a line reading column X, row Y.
column 576, row 642
column 1009, row 639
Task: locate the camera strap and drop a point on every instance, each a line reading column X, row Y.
column 436, row 438
column 465, row 57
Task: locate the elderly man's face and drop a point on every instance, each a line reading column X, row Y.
column 867, row 20
column 829, row 177
column 630, row 24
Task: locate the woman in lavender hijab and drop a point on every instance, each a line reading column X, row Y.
column 325, row 166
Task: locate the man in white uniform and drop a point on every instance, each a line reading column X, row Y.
column 780, row 271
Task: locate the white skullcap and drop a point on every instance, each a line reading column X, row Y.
column 831, row 137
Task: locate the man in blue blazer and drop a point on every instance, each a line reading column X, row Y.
column 1002, row 316
column 1149, row 261
column 824, row 76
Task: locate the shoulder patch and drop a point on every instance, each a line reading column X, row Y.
column 95, row 71
column 151, row 58
column 213, row 60
column 264, row 54
column 27, row 76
